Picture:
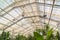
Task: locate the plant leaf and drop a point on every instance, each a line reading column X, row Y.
column 38, row 36
column 49, row 33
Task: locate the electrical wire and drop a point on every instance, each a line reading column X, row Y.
column 51, row 12
column 44, row 12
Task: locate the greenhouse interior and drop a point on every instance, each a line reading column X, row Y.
column 29, row 19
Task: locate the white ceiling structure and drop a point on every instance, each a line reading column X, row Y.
column 23, row 16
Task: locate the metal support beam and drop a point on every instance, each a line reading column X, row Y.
column 27, row 17
column 17, row 7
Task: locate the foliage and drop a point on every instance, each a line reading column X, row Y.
column 30, row 37
column 20, row 37
column 39, row 34
column 5, row 36
column 47, row 34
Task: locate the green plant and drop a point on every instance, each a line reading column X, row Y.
column 20, row 37
column 30, row 37
column 49, row 34
column 46, row 34
column 5, row 36
column 57, row 36
column 39, row 34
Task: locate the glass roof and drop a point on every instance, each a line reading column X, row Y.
column 5, row 3
column 23, row 16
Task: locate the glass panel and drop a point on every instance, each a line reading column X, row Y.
column 5, row 3
column 3, row 21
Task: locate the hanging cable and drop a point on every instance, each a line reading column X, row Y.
column 44, row 12
column 51, row 12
